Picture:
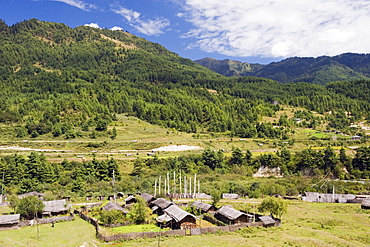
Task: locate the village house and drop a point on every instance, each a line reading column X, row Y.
column 130, row 199
column 147, row 197
column 114, row 206
column 9, row 222
column 180, row 218
column 203, row 207
column 231, row 216
column 159, row 205
column 33, row 193
column 55, row 207
column 267, row 220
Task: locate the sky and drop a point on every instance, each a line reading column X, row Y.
column 253, row 31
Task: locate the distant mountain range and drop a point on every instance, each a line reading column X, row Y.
column 320, row 70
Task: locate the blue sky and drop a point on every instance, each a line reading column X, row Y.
column 246, row 30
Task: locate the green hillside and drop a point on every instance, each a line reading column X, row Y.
column 72, row 82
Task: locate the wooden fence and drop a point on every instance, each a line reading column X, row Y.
column 194, row 231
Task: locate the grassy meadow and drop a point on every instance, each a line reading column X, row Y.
column 305, row 224
column 72, row 233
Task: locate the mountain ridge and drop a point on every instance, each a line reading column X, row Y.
column 320, row 70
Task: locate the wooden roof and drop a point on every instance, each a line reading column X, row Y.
column 9, row 219
column 229, row 212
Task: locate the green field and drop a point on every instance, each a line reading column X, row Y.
column 305, row 224
column 72, row 233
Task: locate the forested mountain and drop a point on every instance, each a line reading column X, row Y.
column 62, row 80
column 320, row 70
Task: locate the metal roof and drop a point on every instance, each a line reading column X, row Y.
column 267, row 219
column 177, row 213
column 229, row 212
column 113, row 206
column 55, row 206
column 9, row 219
column 201, row 205
column 164, row 218
column 32, row 193
column 147, row 197
column 161, row 203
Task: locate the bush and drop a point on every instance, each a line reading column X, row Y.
column 111, row 217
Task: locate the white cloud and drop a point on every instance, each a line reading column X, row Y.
column 148, row 26
column 115, row 28
column 78, row 4
column 279, row 28
column 94, row 25
column 130, row 15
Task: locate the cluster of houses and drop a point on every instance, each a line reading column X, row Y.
column 51, row 208
column 173, row 216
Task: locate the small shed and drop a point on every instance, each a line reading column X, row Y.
column 181, row 218
column 55, row 207
column 204, row 207
column 267, row 220
column 114, row 206
column 230, row 215
column 9, row 222
column 365, row 204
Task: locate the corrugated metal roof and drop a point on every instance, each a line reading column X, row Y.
column 113, row 206
column 161, row 203
column 9, row 219
column 201, row 205
column 147, row 197
column 33, row 193
column 55, row 206
column 267, row 220
column 177, row 213
column 229, row 212
column 164, row 218
column 230, row 196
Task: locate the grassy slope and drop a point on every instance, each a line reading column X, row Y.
column 305, row 224
column 73, row 233
column 150, row 136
